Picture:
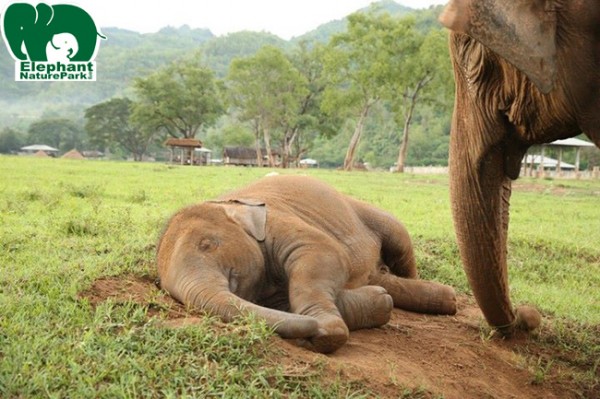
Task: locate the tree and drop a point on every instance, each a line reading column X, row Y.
column 10, row 141
column 56, row 132
column 310, row 121
column 110, row 122
column 229, row 132
column 424, row 75
column 267, row 91
column 180, row 100
column 358, row 65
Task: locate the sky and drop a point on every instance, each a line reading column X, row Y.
column 285, row 18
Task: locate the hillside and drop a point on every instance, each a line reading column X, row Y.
column 127, row 54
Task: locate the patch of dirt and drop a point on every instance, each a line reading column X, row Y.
column 430, row 356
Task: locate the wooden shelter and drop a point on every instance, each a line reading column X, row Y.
column 246, row 156
column 186, row 149
column 35, row 148
column 541, row 162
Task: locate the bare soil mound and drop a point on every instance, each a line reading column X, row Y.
column 413, row 355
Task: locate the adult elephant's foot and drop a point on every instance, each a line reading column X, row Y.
column 527, row 319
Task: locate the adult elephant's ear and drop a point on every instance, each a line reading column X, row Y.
column 523, row 32
column 250, row 214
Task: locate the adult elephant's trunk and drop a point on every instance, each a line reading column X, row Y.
column 208, row 290
column 480, row 197
column 484, row 153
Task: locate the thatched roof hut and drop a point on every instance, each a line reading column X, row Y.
column 73, row 154
column 41, row 154
column 186, row 146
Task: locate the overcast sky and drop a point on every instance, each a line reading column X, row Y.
column 285, row 18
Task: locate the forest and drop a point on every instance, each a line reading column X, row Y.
column 374, row 89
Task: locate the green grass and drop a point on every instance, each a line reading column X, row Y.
column 64, row 224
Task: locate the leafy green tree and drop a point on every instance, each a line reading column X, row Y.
column 358, row 65
column 109, row 122
column 229, row 132
column 180, row 100
column 61, row 133
column 310, row 122
column 10, row 141
column 423, row 75
column 267, row 91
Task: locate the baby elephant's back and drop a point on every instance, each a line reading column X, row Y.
column 313, row 201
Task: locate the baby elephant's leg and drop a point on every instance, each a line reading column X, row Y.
column 365, row 307
column 315, row 279
column 419, row 296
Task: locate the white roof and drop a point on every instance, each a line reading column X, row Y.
column 39, row 147
column 548, row 162
column 202, row 149
column 308, row 161
column 572, row 142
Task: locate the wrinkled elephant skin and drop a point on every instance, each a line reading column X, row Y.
column 313, row 263
column 527, row 72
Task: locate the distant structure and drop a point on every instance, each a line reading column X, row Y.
column 246, row 156
column 73, row 154
column 537, row 164
column 35, row 148
column 41, row 154
column 308, row 163
column 185, row 148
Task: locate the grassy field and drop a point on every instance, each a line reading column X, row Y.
column 64, row 224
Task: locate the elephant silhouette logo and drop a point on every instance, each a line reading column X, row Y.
column 51, row 42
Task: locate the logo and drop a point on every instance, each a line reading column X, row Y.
column 51, row 42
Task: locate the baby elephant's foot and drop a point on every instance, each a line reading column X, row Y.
column 365, row 307
column 333, row 333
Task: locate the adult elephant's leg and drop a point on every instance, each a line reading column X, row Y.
column 365, row 307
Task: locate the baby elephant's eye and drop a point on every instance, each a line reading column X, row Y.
column 208, row 244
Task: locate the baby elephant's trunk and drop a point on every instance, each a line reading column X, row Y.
column 213, row 296
column 418, row 296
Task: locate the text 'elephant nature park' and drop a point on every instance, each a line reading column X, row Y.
column 51, row 42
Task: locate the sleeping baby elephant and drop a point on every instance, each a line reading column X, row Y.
column 313, row 263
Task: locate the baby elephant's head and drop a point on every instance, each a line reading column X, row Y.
column 212, row 245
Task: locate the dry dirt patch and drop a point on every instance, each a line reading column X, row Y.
column 438, row 356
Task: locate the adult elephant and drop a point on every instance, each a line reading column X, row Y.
column 527, row 72
column 309, row 261
column 30, row 30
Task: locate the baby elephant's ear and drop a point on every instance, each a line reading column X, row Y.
column 251, row 215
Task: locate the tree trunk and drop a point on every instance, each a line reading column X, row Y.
column 349, row 160
column 288, row 142
column 412, row 102
column 259, row 158
column 267, row 138
column 404, row 145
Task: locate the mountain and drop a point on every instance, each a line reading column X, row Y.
column 127, row 54
column 324, row 32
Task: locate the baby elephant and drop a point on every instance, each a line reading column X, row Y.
column 313, row 263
